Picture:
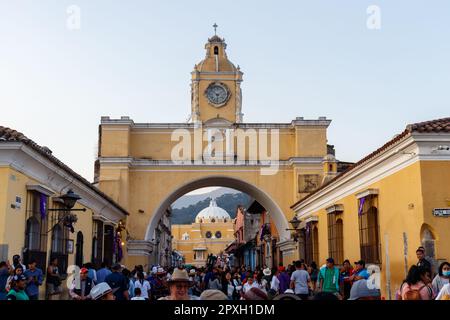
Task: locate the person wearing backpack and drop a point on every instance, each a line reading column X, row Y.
column 417, row 285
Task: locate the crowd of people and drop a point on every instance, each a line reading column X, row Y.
column 297, row 281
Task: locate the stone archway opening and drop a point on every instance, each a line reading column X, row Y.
column 256, row 193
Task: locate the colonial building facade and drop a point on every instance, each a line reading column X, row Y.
column 34, row 222
column 146, row 166
column 385, row 206
column 210, row 233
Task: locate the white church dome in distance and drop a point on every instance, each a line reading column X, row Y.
column 213, row 213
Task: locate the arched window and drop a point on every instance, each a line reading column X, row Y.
column 335, row 238
column 315, row 244
column 57, row 239
column 311, row 240
column 216, row 50
column 428, row 242
column 33, row 234
column 368, row 231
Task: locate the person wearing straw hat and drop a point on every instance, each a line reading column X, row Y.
column 179, row 285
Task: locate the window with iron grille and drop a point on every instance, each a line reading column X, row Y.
column 335, row 238
column 311, row 236
column 36, row 229
column 36, row 225
column 97, row 242
column 369, row 230
column 60, row 233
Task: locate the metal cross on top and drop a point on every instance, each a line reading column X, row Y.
column 215, row 28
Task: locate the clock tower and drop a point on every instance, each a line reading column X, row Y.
column 216, row 86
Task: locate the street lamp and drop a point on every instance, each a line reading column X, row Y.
column 70, row 198
column 295, row 222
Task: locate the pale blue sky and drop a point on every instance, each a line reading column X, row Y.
column 299, row 58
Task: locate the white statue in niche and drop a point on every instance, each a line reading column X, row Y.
column 185, row 236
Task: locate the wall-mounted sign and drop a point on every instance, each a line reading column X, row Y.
column 441, row 212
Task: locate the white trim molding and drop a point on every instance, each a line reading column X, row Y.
column 411, row 149
column 40, row 188
column 139, row 247
column 49, row 178
column 366, row 193
column 335, row 208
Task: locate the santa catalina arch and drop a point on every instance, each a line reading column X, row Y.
column 147, row 166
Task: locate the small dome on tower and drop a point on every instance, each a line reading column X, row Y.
column 216, row 38
column 216, row 59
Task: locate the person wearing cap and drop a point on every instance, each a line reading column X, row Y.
column 102, row 291
column 35, row 278
column 17, row 292
column 360, row 272
column 116, row 280
column 81, row 290
column 179, row 285
column 329, row 278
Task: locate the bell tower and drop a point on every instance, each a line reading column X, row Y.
column 216, row 96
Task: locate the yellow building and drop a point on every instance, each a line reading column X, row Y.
column 211, row 232
column 386, row 206
column 147, row 166
column 33, row 222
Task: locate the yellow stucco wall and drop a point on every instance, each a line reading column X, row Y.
column 405, row 202
column 150, row 186
column 436, row 194
column 197, row 239
column 13, row 221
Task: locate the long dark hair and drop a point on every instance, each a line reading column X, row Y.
column 443, row 264
column 140, row 277
column 414, row 274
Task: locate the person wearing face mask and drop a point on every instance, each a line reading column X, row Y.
column 442, row 278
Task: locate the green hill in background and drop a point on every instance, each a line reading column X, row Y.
column 228, row 202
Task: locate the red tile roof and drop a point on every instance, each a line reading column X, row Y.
column 433, row 126
column 11, row 135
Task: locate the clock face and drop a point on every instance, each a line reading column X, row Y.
column 217, row 94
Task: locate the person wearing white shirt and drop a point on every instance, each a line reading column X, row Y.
column 143, row 285
column 137, row 295
column 275, row 283
column 249, row 284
